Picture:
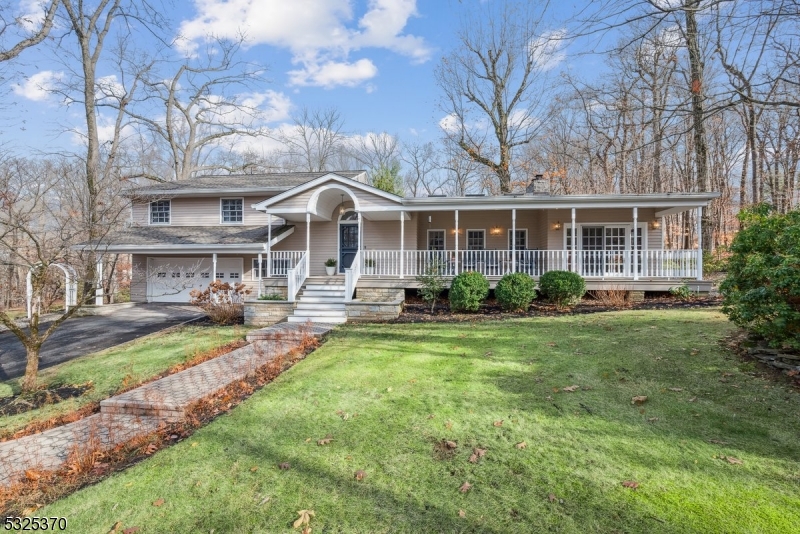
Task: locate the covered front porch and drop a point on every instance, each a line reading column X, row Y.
column 379, row 238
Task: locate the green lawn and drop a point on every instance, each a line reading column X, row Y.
column 119, row 366
column 388, row 395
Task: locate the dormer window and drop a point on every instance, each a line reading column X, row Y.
column 232, row 210
column 159, row 212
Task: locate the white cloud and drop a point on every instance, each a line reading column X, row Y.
column 32, row 16
column 109, row 86
column 450, row 123
column 275, row 106
column 547, row 51
column 39, row 86
column 334, row 73
column 321, row 34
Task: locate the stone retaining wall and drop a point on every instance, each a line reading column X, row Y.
column 778, row 359
column 380, row 294
column 266, row 312
column 373, row 311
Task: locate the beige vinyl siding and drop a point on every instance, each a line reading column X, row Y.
column 367, row 201
column 479, row 220
column 378, row 235
column 555, row 238
column 201, row 211
column 138, row 278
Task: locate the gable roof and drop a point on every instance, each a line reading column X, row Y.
column 238, row 183
column 331, row 176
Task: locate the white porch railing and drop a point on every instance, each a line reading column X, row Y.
column 351, row 276
column 296, row 278
column 278, row 263
column 588, row 263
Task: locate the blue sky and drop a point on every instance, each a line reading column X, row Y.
column 374, row 60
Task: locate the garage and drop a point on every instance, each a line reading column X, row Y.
column 172, row 279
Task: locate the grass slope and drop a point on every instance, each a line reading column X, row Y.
column 389, row 393
column 120, row 366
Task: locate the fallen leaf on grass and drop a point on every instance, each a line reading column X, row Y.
column 254, row 469
column 450, row 444
column 115, row 528
column 732, row 460
column 692, row 399
column 675, row 389
column 639, row 399
column 552, row 497
column 462, row 513
column 498, row 423
column 465, row 487
column 448, row 425
column 265, row 500
column 360, row 474
column 477, row 454
column 431, row 416
column 630, row 484
column 325, row 441
column 158, row 502
column 488, row 354
column 521, row 445
column 652, row 419
column 132, row 530
column 571, row 389
column 304, row 519
column 284, row 466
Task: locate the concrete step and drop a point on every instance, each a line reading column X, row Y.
column 317, row 319
column 321, row 300
column 318, row 312
column 327, row 293
column 323, row 287
column 301, row 305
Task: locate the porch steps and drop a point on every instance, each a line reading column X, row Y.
column 320, row 302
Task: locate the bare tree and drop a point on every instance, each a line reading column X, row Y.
column 423, row 176
column 493, row 84
column 317, row 135
column 201, row 111
column 28, row 39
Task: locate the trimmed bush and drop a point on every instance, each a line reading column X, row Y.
column 762, row 289
column 467, row 291
column 562, row 288
column 515, row 291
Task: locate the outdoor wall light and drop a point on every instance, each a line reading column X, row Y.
column 460, row 231
column 655, row 225
column 496, row 230
column 557, row 225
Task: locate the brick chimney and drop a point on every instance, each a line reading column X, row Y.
column 538, row 186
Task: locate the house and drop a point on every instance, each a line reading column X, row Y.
column 273, row 232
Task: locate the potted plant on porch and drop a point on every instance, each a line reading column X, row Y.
column 369, row 266
column 330, row 266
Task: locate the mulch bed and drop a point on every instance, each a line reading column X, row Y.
column 417, row 311
column 22, row 403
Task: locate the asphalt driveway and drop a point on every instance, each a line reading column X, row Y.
column 82, row 335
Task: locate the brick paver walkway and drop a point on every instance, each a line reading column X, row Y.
column 141, row 410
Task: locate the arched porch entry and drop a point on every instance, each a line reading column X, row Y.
column 70, row 286
column 337, row 202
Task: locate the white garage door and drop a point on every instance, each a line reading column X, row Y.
column 172, row 279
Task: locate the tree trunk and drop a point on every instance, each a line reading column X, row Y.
column 31, row 368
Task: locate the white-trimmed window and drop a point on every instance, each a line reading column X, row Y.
column 231, row 210
column 160, row 211
column 254, row 272
column 476, row 239
column 520, row 239
column 436, row 240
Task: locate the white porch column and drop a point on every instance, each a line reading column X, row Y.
column 634, row 249
column 360, row 232
column 574, row 244
column 98, row 294
column 308, row 237
column 699, row 232
column 258, row 266
column 214, row 265
column 455, row 265
column 402, row 239
column 269, row 245
column 514, row 240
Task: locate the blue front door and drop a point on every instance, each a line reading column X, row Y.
column 348, row 245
